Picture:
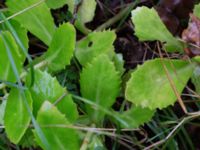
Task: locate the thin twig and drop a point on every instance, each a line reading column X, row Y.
column 183, row 121
column 86, row 140
column 171, row 82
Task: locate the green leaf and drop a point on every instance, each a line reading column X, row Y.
column 61, row 48
column 85, row 14
column 150, row 87
column 6, row 72
column 37, row 20
column 28, row 140
column 96, row 43
column 196, row 10
column 46, row 87
column 96, row 143
column 2, row 111
column 16, row 117
column 100, row 83
column 196, row 79
column 151, row 28
column 55, row 4
column 196, row 59
column 59, row 137
column 21, row 33
column 136, row 116
column 119, row 63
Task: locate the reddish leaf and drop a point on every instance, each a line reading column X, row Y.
column 191, row 35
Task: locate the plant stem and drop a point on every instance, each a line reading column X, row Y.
column 118, row 17
column 86, row 140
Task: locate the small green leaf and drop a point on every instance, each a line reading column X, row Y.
column 17, row 118
column 61, row 48
column 96, row 143
column 28, row 140
column 100, row 83
column 149, row 27
column 196, row 10
column 196, row 59
column 59, row 137
column 46, row 87
column 150, row 87
column 119, row 63
column 96, row 43
column 196, row 79
column 85, row 14
column 6, row 72
column 37, row 20
column 136, row 116
column 55, row 4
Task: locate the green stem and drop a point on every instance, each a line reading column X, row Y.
column 118, row 17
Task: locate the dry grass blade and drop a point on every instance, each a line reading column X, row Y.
column 171, row 82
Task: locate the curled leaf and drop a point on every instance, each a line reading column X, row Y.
column 191, row 36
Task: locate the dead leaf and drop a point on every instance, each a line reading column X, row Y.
column 191, row 35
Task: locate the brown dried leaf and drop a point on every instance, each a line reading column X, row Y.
column 191, row 35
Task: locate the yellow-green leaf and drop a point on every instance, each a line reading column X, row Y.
column 17, row 118
column 6, row 71
column 85, row 14
column 55, row 4
column 136, row 116
column 46, row 87
column 59, row 137
column 150, row 87
column 100, row 83
column 93, row 45
column 196, row 10
column 37, row 20
column 61, row 48
column 149, row 27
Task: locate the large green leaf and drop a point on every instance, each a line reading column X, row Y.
column 196, row 10
column 54, row 4
column 150, row 87
column 94, row 44
column 149, row 27
column 37, row 20
column 61, row 48
column 136, row 116
column 46, row 87
column 17, row 118
column 85, row 14
column 59, row 138
column 6, row 71
column 100, row 83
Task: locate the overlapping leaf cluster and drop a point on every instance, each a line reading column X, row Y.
column 36, row 99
